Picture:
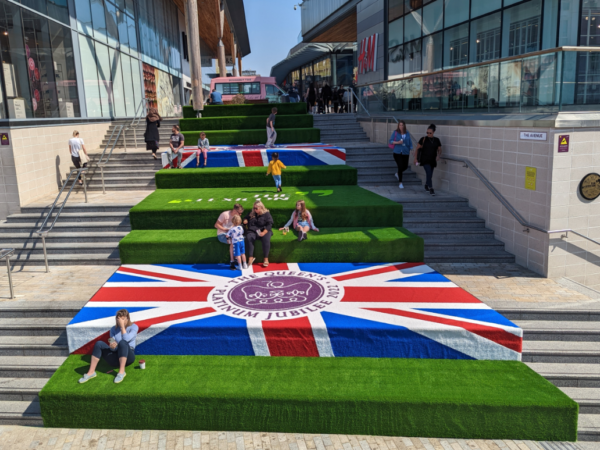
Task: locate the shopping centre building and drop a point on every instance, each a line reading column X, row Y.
column 514, row 88
column 83, row 64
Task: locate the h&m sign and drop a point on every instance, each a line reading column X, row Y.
column 367, row 60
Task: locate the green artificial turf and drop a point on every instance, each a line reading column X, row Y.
column 330, row 206
column 171, row 246
column 223, row 177
column 245, row 122
column 251, row 137
column 263, row 109
column 364, row 396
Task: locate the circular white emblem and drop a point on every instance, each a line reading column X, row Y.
column 276, row 295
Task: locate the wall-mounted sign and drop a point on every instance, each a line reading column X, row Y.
column 563, row 143
column 4, row 139
column 589, row 188
column 531, row 136
column 367, row 60
column 530, row 178
column 206, row 61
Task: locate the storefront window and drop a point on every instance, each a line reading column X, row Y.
column 485, row 38
column 412, row 26
column 569, row 20
column 456, row 11
column 84, row 17
column 412, row 57
column 396, row 33
column 432, row 52
column 118, row 88
column 57, row 9
column 90, row 77
column 456, row 46
column 130, row 105
column 123, row 31
column 433, row 17
column 550, row 27
column 396, row 9
column 112, row 29
column 412, row 5
column 521, row 28
column 396, row 61
column 479, row 7
column 64, row 68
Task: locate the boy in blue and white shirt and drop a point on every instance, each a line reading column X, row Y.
column 235, row 236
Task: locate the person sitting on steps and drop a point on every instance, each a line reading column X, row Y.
column 302, row 220
column 120, row 350
column 260, row 224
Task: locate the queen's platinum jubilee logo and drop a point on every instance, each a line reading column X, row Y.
column 276, row 295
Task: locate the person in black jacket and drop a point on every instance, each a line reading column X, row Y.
column 327, row 95
column 151, row 136
column 427, row 155
column 259, row 224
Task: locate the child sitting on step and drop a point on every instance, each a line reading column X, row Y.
column 235, row 236
column 203, row 147
column 275, row 167
column 302, row 220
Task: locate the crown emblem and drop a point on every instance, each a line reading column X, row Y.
column 276, row 292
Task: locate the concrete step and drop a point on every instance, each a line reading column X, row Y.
column 33, row 310
column 589, row 428
column 577, row 315
column 439, row 201
column 73, row 259
column 475, row 256
column 34, row 326
column 29, row 366
column 409, row 212
column 96, row 180
column 466, row 222
column 66, row 227
column 32, row 248
column 569, row 352
column 21, row 389
column 33, row 346
column 97, row 186
column 542, row 330
column 485, row 245
column 21, row 413
column 569, row 375
column 37, row 218
column 451, row 234
column 75, row 237
column 115, row 170
column 588, row 399
column 80, row 208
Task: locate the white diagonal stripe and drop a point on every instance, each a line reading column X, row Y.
column 257, row 337
column 321, row 335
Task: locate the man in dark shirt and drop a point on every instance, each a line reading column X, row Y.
column 427, row 155
column 216, row 98
column 271, row 133
column 293, row 93
column 176, row 142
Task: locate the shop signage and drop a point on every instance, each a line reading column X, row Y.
column 367, row 59
column 531, row 136
column 563, row 143
column 589, row 188
column 4, row 139
column 530, row 178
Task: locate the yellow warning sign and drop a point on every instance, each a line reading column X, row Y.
column 530, row 177
column 564, row 141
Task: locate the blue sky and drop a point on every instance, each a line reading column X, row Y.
column 273, row 27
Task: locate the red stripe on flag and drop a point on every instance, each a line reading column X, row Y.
column 152, row 294
column 407, row 295
column 258, row 268
column 377, row 271
column 497, row 335
column 157, row 275
column 252, row 158
column 337, row 153
column 290, row 337
column 143, row 325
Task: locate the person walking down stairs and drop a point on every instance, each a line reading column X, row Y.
column 151, row 136
column 428, row 153
column 76, row 148
column 402, row 144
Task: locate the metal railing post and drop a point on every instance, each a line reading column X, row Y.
column 10, row 283
column 45, row 252
column 84, row 186
column 125, row 138
column 102, row 175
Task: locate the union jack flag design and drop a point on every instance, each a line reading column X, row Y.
column 397, row 310
column 259, row 156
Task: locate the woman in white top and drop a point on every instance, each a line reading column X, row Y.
column 75, row 148
column 302, row 220
column 203, row 147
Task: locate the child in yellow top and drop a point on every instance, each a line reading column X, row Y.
column 275, row 167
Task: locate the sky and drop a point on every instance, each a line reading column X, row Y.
column 273, row 28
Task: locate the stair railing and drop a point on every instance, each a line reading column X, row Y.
column 103, row 162
column 42, row 232
column 139, row 112
column 519, row 218
column 6, row 253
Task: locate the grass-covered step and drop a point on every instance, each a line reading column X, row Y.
column 330, row 206
column 223, row 177
column 350, row 245
column 364, row 396
column 245, row 122
column 263, row 109
column 251, row 137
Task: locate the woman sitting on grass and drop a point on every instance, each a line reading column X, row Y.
column 302, row 220
column 120, row 350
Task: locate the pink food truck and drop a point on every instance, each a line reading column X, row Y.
column 255, row 89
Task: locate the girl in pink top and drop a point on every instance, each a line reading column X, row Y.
column 302, row 220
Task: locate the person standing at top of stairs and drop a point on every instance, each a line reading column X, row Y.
column 402, row 144
column 152, row 136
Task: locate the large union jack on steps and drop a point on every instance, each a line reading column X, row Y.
column 400, row 310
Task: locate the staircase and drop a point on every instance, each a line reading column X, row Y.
column 136, row 134
column 564, row 347
column 84, row 234
column 132, row 171
column 339, row 127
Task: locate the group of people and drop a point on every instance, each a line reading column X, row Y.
column 427, row 154
column 257, row 226
column 323, row 100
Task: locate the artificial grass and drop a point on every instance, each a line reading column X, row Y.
column 231, row 177
column 245, row 122
column 330, row 206
column 251, row 137
column 349, row 245
column 263, row 109
column 364, row 396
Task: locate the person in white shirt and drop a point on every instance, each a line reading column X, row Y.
column 238, row 248
column 203, row 147
column 75, row 148
column 224, row 224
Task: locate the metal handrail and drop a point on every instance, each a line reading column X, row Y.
column 527, row 226
column 139, row 112
column 7, row 253
column 44, row 234
column 101, row 163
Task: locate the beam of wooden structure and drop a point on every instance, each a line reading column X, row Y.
column 191, row 20
column 344, row 31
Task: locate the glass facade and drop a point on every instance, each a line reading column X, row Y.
column 336, row 70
